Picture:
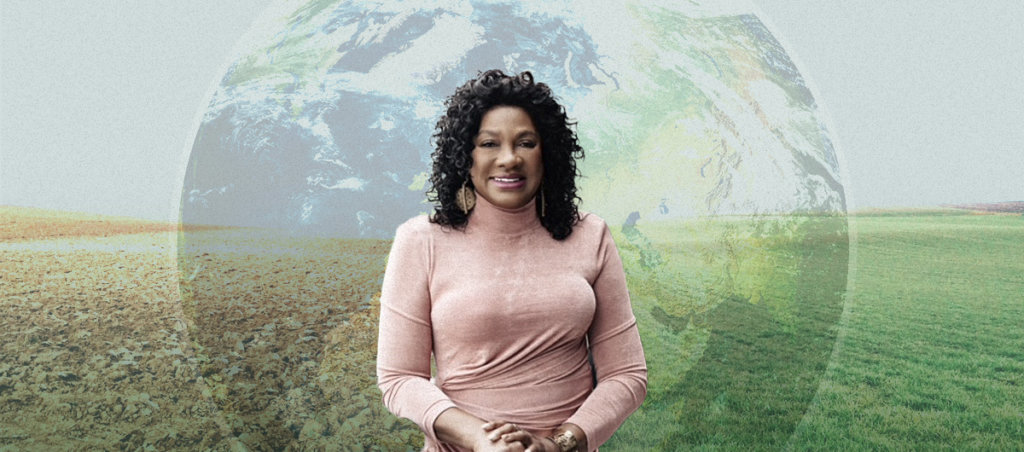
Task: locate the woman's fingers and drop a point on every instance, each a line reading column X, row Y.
column 500, row 432
column 513, row 437
column 518, row 436
column 497, row 429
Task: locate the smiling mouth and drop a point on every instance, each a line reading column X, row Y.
column 509, row 182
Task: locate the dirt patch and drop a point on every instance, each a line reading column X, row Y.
column 272, row 349
column 94, row 354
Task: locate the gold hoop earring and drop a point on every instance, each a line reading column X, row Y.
column 465, row 198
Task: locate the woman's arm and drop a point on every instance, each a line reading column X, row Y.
column 460, row 428
column 404, row 343
column 405, row 338
column 618, row 355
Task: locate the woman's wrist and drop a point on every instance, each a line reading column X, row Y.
column 455, row 426
column 569, row 437
column 550, row 444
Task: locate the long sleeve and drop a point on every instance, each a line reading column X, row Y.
column 618, row 355
column 405, row 339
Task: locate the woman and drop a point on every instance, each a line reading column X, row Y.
column 509, row 287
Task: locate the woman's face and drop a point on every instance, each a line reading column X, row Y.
column 507, row 167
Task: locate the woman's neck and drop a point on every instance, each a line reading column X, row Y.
column 491, row 218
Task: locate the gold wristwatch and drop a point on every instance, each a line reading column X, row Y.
column 566, row 441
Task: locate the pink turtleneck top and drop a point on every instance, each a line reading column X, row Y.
column 508, row 313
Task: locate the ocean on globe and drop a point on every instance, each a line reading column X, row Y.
column 706, row 153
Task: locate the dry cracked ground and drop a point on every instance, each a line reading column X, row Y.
column 128, row 335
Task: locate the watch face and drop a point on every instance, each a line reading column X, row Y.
column 566, row 441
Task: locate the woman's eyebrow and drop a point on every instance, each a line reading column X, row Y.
column 520, row 134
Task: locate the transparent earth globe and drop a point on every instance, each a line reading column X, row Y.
column 706, row 154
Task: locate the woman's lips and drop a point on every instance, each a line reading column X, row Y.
column 509, row 183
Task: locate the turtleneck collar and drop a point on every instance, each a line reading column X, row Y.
column 491, row 218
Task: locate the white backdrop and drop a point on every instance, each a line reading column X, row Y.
column 99, row 100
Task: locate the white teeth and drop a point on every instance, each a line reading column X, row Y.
column 506, row 179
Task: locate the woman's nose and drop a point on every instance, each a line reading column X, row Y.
column 508, row 156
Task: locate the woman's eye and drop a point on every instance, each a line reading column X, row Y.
column 488, row 144
column 528, row 144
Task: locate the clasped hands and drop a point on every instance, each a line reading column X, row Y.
column 508, row 437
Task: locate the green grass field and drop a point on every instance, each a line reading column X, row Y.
column 929, row 353
column 739, row 316
column 932, row 355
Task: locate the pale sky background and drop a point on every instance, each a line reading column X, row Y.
column 99, row 100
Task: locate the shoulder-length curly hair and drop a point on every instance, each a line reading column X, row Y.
column 457, row 129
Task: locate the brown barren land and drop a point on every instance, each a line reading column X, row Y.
column 117, row 338
column 28, row 223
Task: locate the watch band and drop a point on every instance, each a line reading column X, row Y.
column 566, row 441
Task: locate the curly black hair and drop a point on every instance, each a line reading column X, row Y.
column 454, row 142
